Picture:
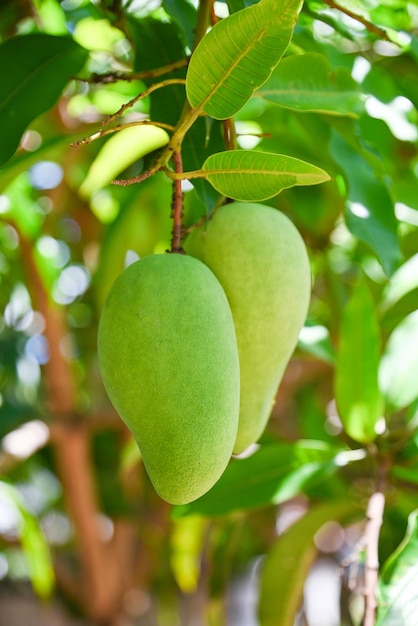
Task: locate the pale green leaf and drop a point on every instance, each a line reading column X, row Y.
column 285, row 568
column 398, row 372
column 120, row 151
column 186, row 545
column 307, row 82
column 398, row 598
column 402, row 282
column 251, row 176
column 238, row 55
column 357, row 392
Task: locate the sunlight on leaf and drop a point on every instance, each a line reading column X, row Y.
column 251, row 176
column 252, row 42
column 356, row 389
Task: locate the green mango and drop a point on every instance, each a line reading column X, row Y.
column 261, row 261
column 169, row 361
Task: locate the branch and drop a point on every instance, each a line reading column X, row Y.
column 375, row 510
column 372, row 28
column 143, row 94
column 108, row 131
column 113, row 77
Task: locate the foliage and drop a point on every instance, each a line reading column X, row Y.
column 106, row 109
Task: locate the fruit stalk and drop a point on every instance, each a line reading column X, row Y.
column 177, row 207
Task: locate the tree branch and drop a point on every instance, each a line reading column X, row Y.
column 372, row 28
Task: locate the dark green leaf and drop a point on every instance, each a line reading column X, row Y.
column 356, row 386
column 252, row 42
column 273, row 474
column 39, row 67
column 157, row 44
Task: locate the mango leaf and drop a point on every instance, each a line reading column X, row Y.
column 120, row 151
column 39, row 66
column 357, row 392
column 402, row 282
column 238, row 55
column 285, row 568
column 398, row 599
column 272, row 475
column 370, row 214
column 399, row 365
column 307, row 82
column 252, row 176
column 33, row 543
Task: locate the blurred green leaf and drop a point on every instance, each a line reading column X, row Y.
column 34, row 544
column 271, row 475
column 252, row 42
column 357, row 392
column 307, row 82
column 39, row 68
column 51, row 16
column 403, row 281
column 315, row 340
column 286, row 567
column 185, row 15
column 398, row 377
column 252, row 176
column 369, row 209
column 398, row 600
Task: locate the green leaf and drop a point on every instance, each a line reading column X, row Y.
column 357, row 392
column 403, row 281
column 34, row 544
column 120, row 151
column 252, row 176
column 398, row 600
column 238, row 55
column 285, row 568
column 398, row 377
column 370, row 213
column 39, row 67
column 272, row 475
column 307, row 82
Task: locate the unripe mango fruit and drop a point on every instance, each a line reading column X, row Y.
column 261, row 262
column 169, row 362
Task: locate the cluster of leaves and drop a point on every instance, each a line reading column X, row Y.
column 275, row 95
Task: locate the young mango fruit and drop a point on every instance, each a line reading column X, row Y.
column 261, row 261
column 169, row 362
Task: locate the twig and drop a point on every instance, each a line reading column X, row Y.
column 177, row 207
column 375, row 510
column 102, row 132
column 113, row 77
column 372, row 28
column 143, row 94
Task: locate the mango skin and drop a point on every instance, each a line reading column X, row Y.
column 261, row 261
column 169, row 362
